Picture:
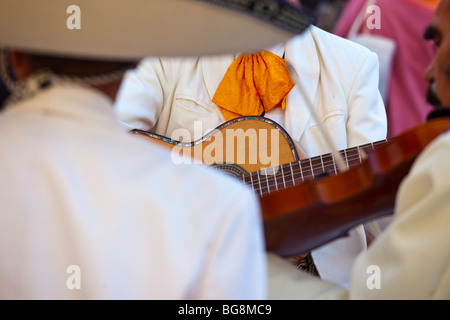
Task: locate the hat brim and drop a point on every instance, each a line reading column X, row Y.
column 133, row 29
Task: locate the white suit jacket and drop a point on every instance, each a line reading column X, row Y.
column 90, row 211
column 339, row 77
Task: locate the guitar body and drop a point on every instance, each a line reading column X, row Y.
column 238, row 146
column 257, row 151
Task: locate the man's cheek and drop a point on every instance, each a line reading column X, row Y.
column 443, row 89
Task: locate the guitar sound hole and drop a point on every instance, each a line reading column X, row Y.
column 231, row 169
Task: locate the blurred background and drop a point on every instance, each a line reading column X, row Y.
column 329, row 12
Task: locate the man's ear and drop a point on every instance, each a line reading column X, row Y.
column 20, row 64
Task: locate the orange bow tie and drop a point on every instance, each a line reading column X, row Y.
column 253, row 83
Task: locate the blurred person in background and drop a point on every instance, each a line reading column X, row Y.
column 404, row 22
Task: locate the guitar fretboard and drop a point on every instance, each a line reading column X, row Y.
column 272, row 179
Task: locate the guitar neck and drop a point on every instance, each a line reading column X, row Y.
column 272, row 179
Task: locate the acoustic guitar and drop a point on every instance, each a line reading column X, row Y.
column 307, row 202
column 259, row 152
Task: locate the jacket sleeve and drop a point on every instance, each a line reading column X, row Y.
column 367, row 121
column 141, row 96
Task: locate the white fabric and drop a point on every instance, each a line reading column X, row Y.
column 77, row 189
column 341, row 78
column 412, row 254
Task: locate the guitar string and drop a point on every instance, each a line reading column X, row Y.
column 264, row 189
column 268, row 188
column 257, row 187
column 310, row 172
column 304, row 166
column 306, row 171
column 318, row 162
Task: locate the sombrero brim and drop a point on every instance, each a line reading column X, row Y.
column 132, row 29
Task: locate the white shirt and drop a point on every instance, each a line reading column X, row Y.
column 85, row 203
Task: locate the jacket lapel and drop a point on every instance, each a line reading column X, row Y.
column 301, row 53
